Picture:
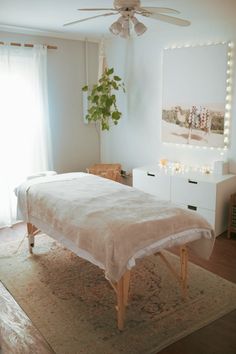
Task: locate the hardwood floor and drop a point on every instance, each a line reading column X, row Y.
column 217, row 338
column 220, row 336
column 18, row 334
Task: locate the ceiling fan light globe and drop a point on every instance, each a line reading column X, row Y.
column 121, row 20
column 125, row 24
column 115, row 28
column 140, row 28
column 125, row 33
column 134, row 20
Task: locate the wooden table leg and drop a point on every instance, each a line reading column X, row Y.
column 31, row 229
column 126, row 286
column 122, row 299
column 120, row 304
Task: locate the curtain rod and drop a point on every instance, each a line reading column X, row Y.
column 28, row 45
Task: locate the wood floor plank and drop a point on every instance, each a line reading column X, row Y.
column 17, row 332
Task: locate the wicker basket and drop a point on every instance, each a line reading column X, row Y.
column 232, row 215
column 110, row 171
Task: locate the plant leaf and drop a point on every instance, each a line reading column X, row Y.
column 85, row 88
column 116, row 115
column 110, row 71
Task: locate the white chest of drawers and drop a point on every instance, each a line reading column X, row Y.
column 152, row 180
column 207, row 195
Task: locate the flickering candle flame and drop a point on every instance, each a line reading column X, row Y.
column 163, row 163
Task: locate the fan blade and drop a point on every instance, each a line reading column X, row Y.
column 159, row 9
column 169, row 19
column 100, row 9
column 89, row 18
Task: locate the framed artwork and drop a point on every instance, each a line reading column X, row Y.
column 194, row 95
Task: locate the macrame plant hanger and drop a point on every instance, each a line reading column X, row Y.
column 85, row 93
column 102, row 62
column 102, row 65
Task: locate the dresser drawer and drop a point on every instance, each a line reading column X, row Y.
column 209, row 215
column 207, row 195
column 188, row 191
column 152, row 182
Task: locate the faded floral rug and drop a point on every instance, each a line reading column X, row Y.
column 73, row 306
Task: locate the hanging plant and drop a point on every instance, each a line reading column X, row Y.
column 102, row 100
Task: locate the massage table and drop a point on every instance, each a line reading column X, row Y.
column 111, row 225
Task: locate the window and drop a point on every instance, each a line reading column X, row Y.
column 24, row 127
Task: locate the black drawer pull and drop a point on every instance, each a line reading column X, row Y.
column 190, row 181
column 192, row 207
column 150, row 174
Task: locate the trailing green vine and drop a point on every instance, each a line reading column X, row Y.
column 102, row 100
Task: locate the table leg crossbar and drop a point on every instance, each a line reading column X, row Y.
column 122, row 286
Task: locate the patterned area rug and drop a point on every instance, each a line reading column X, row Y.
column 73, row 306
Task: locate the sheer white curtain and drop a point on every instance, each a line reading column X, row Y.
column 24, row 124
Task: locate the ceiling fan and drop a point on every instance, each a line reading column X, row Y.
column 128, row 9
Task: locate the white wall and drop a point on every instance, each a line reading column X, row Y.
column 75, row 144
column 136, row 141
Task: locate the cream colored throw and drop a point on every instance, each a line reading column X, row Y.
column 108, row 223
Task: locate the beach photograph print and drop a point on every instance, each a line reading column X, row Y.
column 194, row 92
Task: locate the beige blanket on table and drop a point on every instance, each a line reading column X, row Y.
column 109, row 223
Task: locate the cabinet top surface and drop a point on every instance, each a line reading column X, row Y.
column 213, row 178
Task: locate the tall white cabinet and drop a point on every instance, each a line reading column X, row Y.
column 207, row 195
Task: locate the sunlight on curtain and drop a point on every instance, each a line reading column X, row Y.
column 24, row 125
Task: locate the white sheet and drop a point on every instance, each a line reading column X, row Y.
column 107, row 223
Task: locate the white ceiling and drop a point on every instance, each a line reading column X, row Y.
column 47, row 17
